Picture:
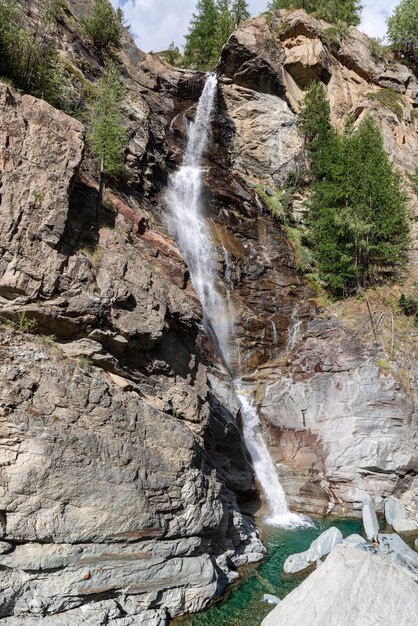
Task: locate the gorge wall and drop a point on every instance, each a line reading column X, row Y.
column 126, row 491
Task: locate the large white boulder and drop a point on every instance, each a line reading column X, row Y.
column 324, row 544
column 351, row 588
column 393, row 548
column 320, row 547
column 370, row 523
column 397, row 516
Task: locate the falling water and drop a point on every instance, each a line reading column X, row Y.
column 263, row 464
column 188, row 225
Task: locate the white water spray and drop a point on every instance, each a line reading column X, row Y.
column 191, row 230
column 188, row 225
column 264, row 466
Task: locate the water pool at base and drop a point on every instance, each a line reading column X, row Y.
column 242, row 604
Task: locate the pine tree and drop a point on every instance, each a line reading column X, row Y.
column 104, row 27
column 200, row 48
column 240, row 11
column 403, row 29
column 358, row 218
column 224, row 27
column 315, row 126
column 347, row 11
column 107, row 137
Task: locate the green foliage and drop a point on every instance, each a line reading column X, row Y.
column 414, row 181
column 107, row 136
column 358, row 218
column 239, row 11
column 332, row 11
column 23, row 324
column 389, row 99
column 333, row 35
column 173, row 54
column 10, row 33
column 403, row 29
column 408, row 305
column 30, row 59
column 224, row 27
column 276, row 200
column 377, row 49
column 47, row 340
column 209, row 30
column 383, row 365
column 200, row 49
column 315, row 126
column 85, row 362
column 105, row 27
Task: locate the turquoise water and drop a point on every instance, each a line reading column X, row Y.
column 242, row 604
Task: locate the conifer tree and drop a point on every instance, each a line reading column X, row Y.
column 358, row 217
column 200, row 48
column 333, row 11
column 403, row 29
column 104, row 27
column 225, row 26
column 315, row 126
column 107, row 137
column 239, row 11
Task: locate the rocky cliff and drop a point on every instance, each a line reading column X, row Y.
column 341, row 421
column 126, row 492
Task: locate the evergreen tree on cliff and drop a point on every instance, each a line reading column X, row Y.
column 348, row 11
column 200, row 48
column 240, row 11
column 225, row 26
column 403, row 29
column 358, row 217
column 107, row 137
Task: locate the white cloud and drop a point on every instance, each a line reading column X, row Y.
column 156, row 23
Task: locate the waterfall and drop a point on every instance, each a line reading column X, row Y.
column 188, row 225
column 190, row 229
column 263, row 464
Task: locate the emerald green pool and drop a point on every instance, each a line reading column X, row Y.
column 242, row 604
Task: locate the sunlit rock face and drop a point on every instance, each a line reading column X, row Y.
column 126, row 490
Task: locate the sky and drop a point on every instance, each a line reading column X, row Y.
column 156, row 23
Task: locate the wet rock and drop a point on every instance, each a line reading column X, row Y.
column 351, row 587
column 270, row 599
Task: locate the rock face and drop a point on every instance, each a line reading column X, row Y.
column 351, row 587
column 392, row 548
column 122, row 459
column 338, row 426
column 397, row 517
column 126, row 492
column 345, row 429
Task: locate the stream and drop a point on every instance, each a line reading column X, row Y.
column 242, row 604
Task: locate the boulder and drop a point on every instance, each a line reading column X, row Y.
column 354, row 540
column 320, row 547
column 370, row 523
column 270, row 599
column 393, row 548
column 351, row 587
column 324, row 544
column 397, row 517
column 295, row 563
